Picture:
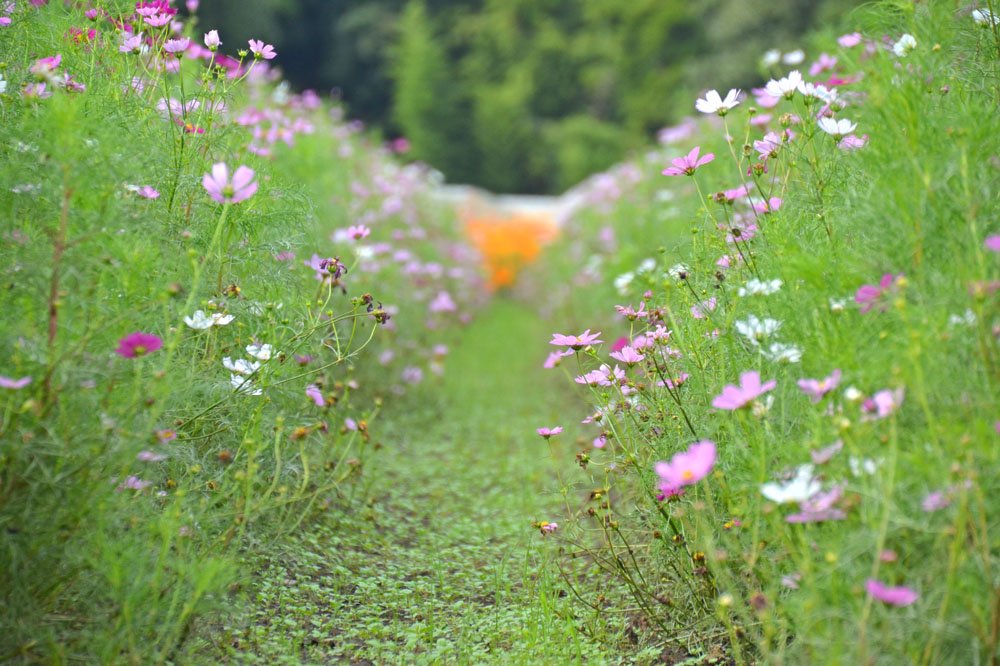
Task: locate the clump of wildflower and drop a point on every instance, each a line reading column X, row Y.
column 138, row 344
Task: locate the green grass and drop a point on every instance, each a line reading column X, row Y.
column 438, row 560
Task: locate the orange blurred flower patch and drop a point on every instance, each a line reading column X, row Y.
column 507, row 241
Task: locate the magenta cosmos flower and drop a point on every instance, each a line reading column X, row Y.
column 687, row 467
column 895, row 596
column 549, row 432
column 685, row 166
column 750, row 388
column 575, row 342
column 869, row 295
column 817, row 388
column 138, row 344
column 221, row 189
column 261, row 50
column 993, row 242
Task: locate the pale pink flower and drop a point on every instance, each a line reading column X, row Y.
column 817, row 388
column 993, row 243
column 175, row 46
column 686, row 467
column 15, row 384
column 147, row 192
column 549, row 432
column 260, row 50
column 883, row 403
column 575, row 342
column 212, row 40
column 627, row 355
column 685, row 166
column 822, row 64
column 750, row 388
column 222, row 190
column 701, row 310
column 849, row 40
column 895, row 596
column 150, row 456
column 825, row 454
column 552, row 360
column 316, row 395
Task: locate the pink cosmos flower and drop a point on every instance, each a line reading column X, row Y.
column 883, row 403
column 138, row 344
column 549, row 432
column 750, row 388
column 552, row 360
column 150, row 456
column 627, row 355
column 819, row 508
column 5, row 21
column 822, row 64
column 686, row 467
column 935, row 501
column 175, row 46
column 314, row 394
column 443, row 302
column 894, row 596
column 672, row 384
column 685, row 166
column 576, row 342
column 358, row 231
column 701, row 310
column 166, row 435
column 868, row 296
column 771, row 205
column 993, row 243
column 817, row 388
column 220, row 189
column 45, row 65
column 133, row 483
column 15, row 384
column 548, row 528
column 157, row 20
column 131, row 43
column 212, row 41
column 853, row 142
column 824, row 455
column 849, row 40
column 147, row 192
column 260, row 50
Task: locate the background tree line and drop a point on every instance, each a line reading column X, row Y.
column 521, row 95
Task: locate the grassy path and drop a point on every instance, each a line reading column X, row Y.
column 441, row 564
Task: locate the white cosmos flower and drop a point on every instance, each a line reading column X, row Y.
column 755, row 286
column 967, row 318
column 761, row 406
column 779, row 352
column 244, row 385
column 240, row 366
column 262, row 352
column 220, row 319
column 770, row 58
column 905, row 44
column 713, row 102
column 199, row 321
column 838, row 304
column 623, row 282
column 984, row 17
column 861, row 466
column 799, row 489
column 795, row 57
column 755, row 330
column 647, row 265
column 784, row 87
column 837, row 128
column 676, row 270
column 3, row 85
